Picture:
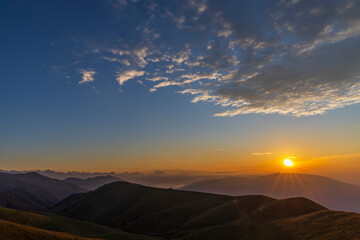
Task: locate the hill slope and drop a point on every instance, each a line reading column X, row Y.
column 328, row 192
column 322, row 225
column 119, row 204
column 192, row 215
column 11, row 231
column 27, row 225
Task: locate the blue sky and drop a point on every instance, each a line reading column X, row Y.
column 121, row 84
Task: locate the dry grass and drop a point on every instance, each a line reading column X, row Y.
column 11, row 231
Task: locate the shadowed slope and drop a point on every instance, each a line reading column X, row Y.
column 175, row 213
column 28, row 223
column 121, row 203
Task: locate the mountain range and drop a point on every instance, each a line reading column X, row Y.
column 177, row 214
column 78, row 209
column 32, row 191
column 333, row 194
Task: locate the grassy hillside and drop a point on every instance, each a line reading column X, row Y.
column 185, row 215
column 11, row 231
column 120, row 204
column 322, row 225
column 34, row 223
column 177, row 214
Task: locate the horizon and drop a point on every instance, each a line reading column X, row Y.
column 188, row 175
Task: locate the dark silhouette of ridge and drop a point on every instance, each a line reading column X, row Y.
column 168, row 213
column 92, row 183
column 180, row 214
column 32, row 189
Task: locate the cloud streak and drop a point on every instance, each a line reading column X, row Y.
column 123, row 77
column 261, row 154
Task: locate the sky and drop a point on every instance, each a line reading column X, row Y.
column 131, row 85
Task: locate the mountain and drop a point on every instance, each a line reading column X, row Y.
column 32, row 189
column 328, row 192
column 15, row 224
column 123, row 204
column 92, row 183
column 177, row 214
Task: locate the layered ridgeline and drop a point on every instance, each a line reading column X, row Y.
column 32, row 191
column 328, row 192
column 92, row 183
column 35, row 192
column 186, row 215
column 16, row 224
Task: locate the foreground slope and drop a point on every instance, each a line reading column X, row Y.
column 322, row 225
column 328, row 192
column 178, row 214
column 11, row 231
column 16, row 224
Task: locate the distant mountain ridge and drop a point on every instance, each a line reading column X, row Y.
column 330, row 193
column 32, row 191
column 92, row 183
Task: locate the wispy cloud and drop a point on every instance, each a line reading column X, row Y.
column 296, row 58
column 87, row 76
column 261, row 154
column 122, row 77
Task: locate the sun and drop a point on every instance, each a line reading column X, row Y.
column 288, row 162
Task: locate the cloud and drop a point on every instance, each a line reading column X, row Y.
column 261, row 154
column 199, row 5
column 288, row 57
column 118, row 4
column 122, row 77
column 141, row 54
column 122, row 61
column 87, row 76
column 158, row 78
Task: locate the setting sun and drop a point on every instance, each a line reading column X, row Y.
column 288, row 162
